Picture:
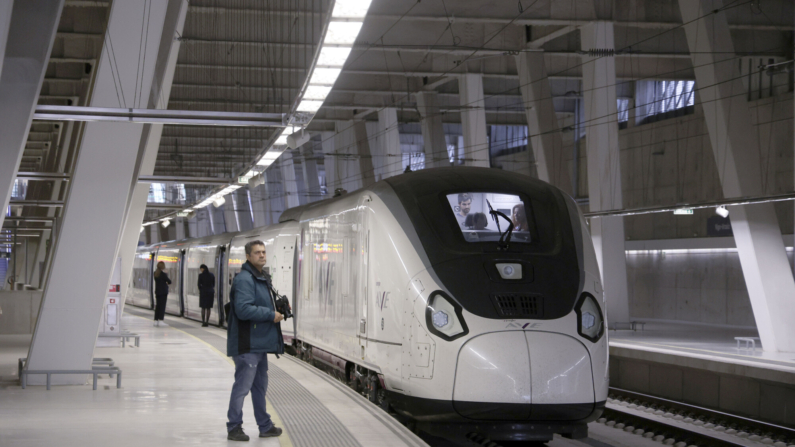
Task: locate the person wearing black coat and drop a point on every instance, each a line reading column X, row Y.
column 162, row 282
column 206, row 293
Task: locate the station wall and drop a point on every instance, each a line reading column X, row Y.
column 20, row 309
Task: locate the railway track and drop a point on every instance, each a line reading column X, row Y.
column 667, row 420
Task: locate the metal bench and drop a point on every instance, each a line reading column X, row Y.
column 750, row 342
column 635, row 324
column 95, row 371
column 124, row 338
column 621, row 325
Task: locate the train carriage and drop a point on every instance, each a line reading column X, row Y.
column 466, row 299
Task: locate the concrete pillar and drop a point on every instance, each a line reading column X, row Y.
column 154, row 233
column 432, row 130
column 243, row 209
column 275, row 191
column 288, row 180
column 165, row 66
column 298, row 167
column 260, row 206
column 6, row 9
column 735, row 145
column 101, row 187
column 203, row 222
column 364, row 171
column 193, row 226
column 387, row 151
column 26, row 38
column 473, row 120
column 230, row 214
column 309, row 166
column 179, row 227
column 542, row 121
column 604, row 171
column 328, row 140
column 344, row 163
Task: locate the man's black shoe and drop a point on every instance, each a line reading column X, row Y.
column 272, row 433
column 237, row 435
column 205, row 324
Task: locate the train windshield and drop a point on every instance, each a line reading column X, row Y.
column 487, row 216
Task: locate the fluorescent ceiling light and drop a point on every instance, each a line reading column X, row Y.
column 333, row 56
column 264, row 162
column 309, row 105
column 325, row 76
column 281, row 141
column 317, row 92
column 342, row 33
column 350, row 8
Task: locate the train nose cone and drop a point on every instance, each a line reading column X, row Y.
column 505, row 375
column 492, row 379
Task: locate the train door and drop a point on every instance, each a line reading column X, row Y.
column 283, row 273
column 220, row 284
column 181, row 289
column 152, row 264
column 364, row 273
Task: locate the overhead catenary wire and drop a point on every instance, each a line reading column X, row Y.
column 492, row 95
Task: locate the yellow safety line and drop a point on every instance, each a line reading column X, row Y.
column 284, row 439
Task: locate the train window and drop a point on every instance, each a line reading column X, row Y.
column 486, row 216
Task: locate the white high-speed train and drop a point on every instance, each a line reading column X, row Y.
column 418, row 294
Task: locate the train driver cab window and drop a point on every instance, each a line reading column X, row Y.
column 486, row 217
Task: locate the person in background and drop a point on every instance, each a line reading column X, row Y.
column 464, row 206
column 206, row 293
column 252, row 334
column 519, row 218
column 162, row 282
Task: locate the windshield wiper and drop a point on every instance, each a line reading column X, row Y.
column 502, row 244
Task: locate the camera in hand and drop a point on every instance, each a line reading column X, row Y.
column 283, row 306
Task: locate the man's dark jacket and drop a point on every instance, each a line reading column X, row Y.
column 251, row 327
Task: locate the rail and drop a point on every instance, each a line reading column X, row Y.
column 718, row 427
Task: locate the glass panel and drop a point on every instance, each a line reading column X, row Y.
column 472, row 213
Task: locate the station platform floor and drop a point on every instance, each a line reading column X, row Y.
column 175, row 391
column 703, row 342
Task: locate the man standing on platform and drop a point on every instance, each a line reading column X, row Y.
column 253, row 333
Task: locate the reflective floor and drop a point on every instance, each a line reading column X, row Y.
column 175, row 391
column 702, row 341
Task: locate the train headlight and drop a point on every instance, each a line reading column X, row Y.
column 443, row 317
column 440, row 319
column 590, row 323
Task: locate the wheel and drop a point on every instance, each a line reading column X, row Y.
column 372, row 389
column 353, row 381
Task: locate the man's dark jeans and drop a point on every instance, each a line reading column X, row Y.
column 251, row 374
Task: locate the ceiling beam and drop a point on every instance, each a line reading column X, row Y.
column 184, row 117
